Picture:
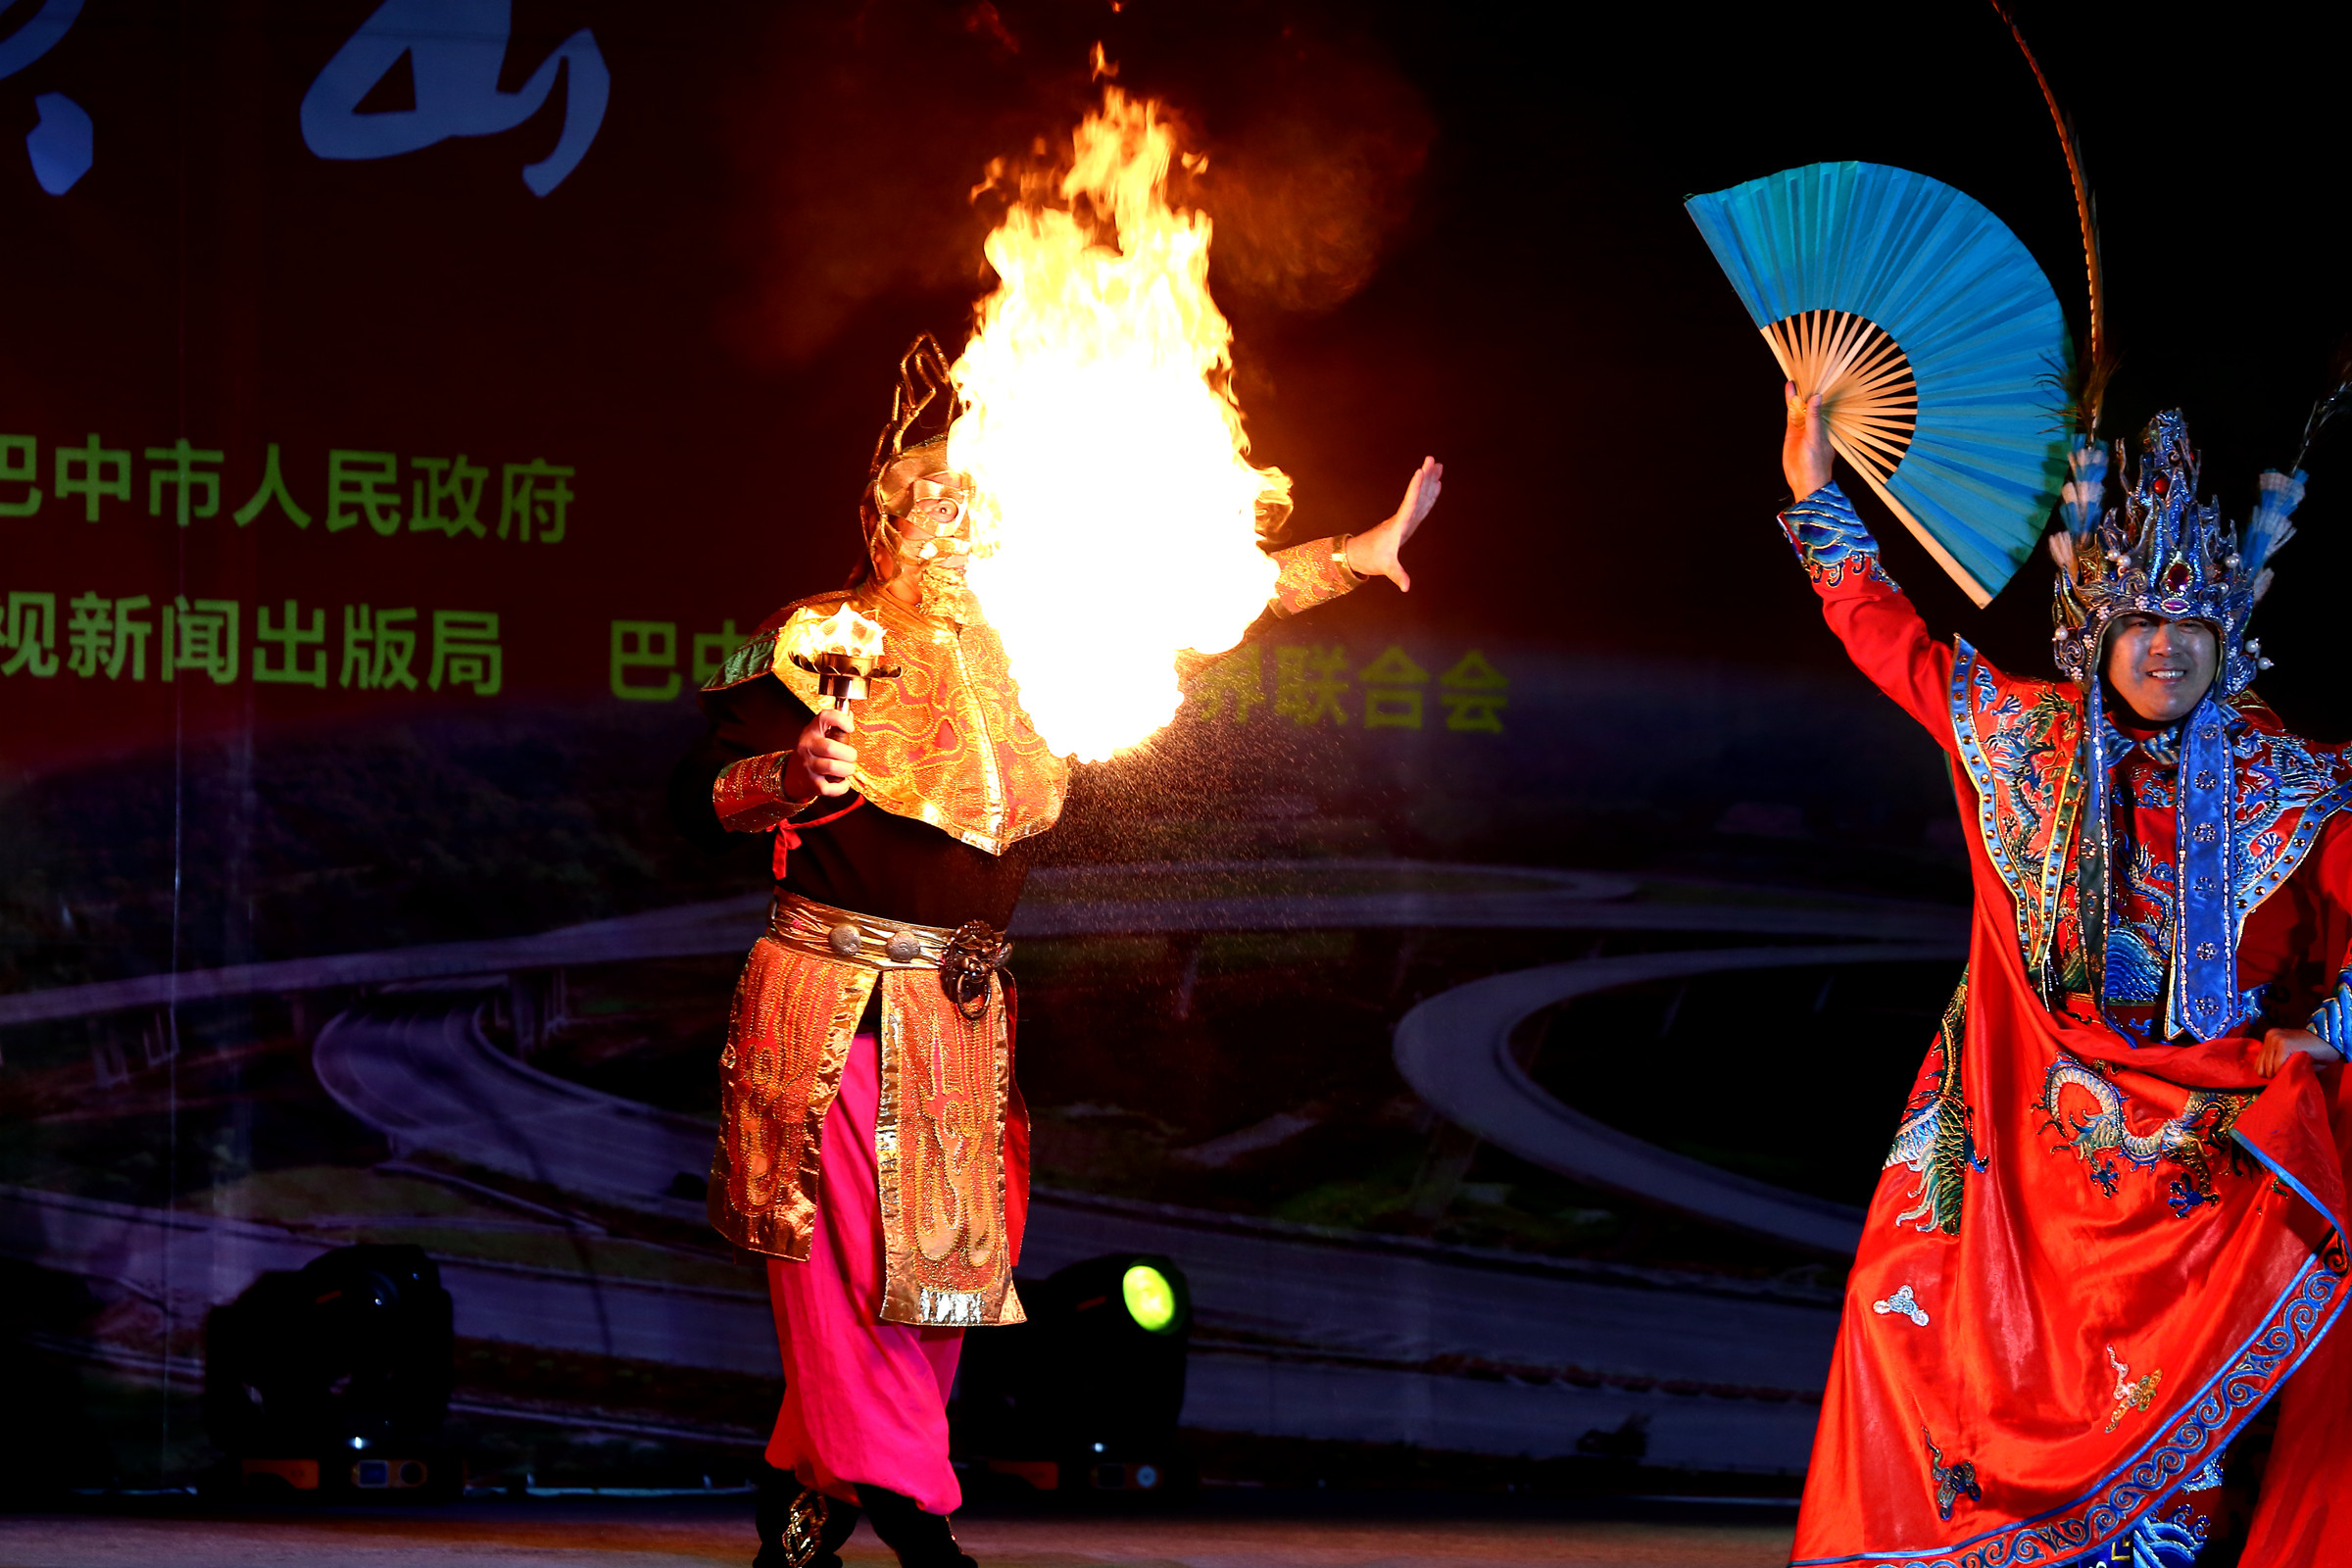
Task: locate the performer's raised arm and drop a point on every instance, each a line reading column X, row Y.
column 1882, row 632
column 1323, row 569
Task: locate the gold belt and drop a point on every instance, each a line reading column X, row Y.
column 854, row 937
column 966, row 960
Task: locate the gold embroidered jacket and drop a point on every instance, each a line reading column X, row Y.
column 944, row 742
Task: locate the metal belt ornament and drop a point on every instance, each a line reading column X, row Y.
column 971, row 960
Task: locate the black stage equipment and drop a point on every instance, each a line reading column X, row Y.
column 1086, row 1395
column 334, row 1379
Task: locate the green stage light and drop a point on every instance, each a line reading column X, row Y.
column 1151, row 1300
column 1085, row 1395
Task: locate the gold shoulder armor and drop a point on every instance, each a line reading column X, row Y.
column 763, row 653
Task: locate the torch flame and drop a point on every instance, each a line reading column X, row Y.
column 1116, row 496
column 845, row 631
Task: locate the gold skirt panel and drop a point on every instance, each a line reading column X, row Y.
column 788, row 1035
column 939, row 1133
column 939, row 1141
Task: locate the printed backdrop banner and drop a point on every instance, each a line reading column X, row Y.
column 404, row 407
column 367, row 358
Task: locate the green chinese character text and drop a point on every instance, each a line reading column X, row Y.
column 362, row 484
column 645, row 645
column 94, row 473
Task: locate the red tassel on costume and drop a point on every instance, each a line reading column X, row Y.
column 788, row 837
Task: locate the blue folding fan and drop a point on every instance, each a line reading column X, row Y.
column 1933, row 337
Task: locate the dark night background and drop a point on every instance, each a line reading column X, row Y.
column 1544, row 318
column 1446, row 230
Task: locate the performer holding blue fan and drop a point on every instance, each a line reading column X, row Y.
column 2110, row 1229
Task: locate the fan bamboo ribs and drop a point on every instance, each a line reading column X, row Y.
column 1869, row 397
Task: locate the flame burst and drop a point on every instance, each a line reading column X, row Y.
column 1105, row 448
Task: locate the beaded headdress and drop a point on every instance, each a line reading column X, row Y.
column 2163, row 553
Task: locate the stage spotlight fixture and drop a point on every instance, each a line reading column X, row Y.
column 334, row 1379
column 1149, row 1299
column 1086, row 1395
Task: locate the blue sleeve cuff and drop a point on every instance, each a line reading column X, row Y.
column 2334, row 1021
column 1830, row 539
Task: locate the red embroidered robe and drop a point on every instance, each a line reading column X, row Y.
column 2092, row 1256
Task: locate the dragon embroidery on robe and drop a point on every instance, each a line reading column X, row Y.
column 1952, row 1482
column 1938, row 1138
column 2139, row 938
column 2101, row 1136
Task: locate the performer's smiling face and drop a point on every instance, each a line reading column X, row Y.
column 2159, row 668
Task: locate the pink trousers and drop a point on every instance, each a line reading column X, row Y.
column 864, row 1400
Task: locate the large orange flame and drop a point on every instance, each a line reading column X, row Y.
column 1115, row 496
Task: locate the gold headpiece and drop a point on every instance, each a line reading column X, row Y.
column 907, row 474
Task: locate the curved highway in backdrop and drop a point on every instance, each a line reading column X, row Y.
column 1087, row 901
column 433, row 1081
column 1302, row 1332
column 1456, row 1052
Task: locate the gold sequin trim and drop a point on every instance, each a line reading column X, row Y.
column 1312, row 574
column 748, row 796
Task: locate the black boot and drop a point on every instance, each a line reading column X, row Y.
column 922, row 1540
column 799, row 1528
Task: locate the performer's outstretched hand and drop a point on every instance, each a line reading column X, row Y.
column 2279, row 1043
column 1805, row 449
column 1373, row 553
column 821, row 764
